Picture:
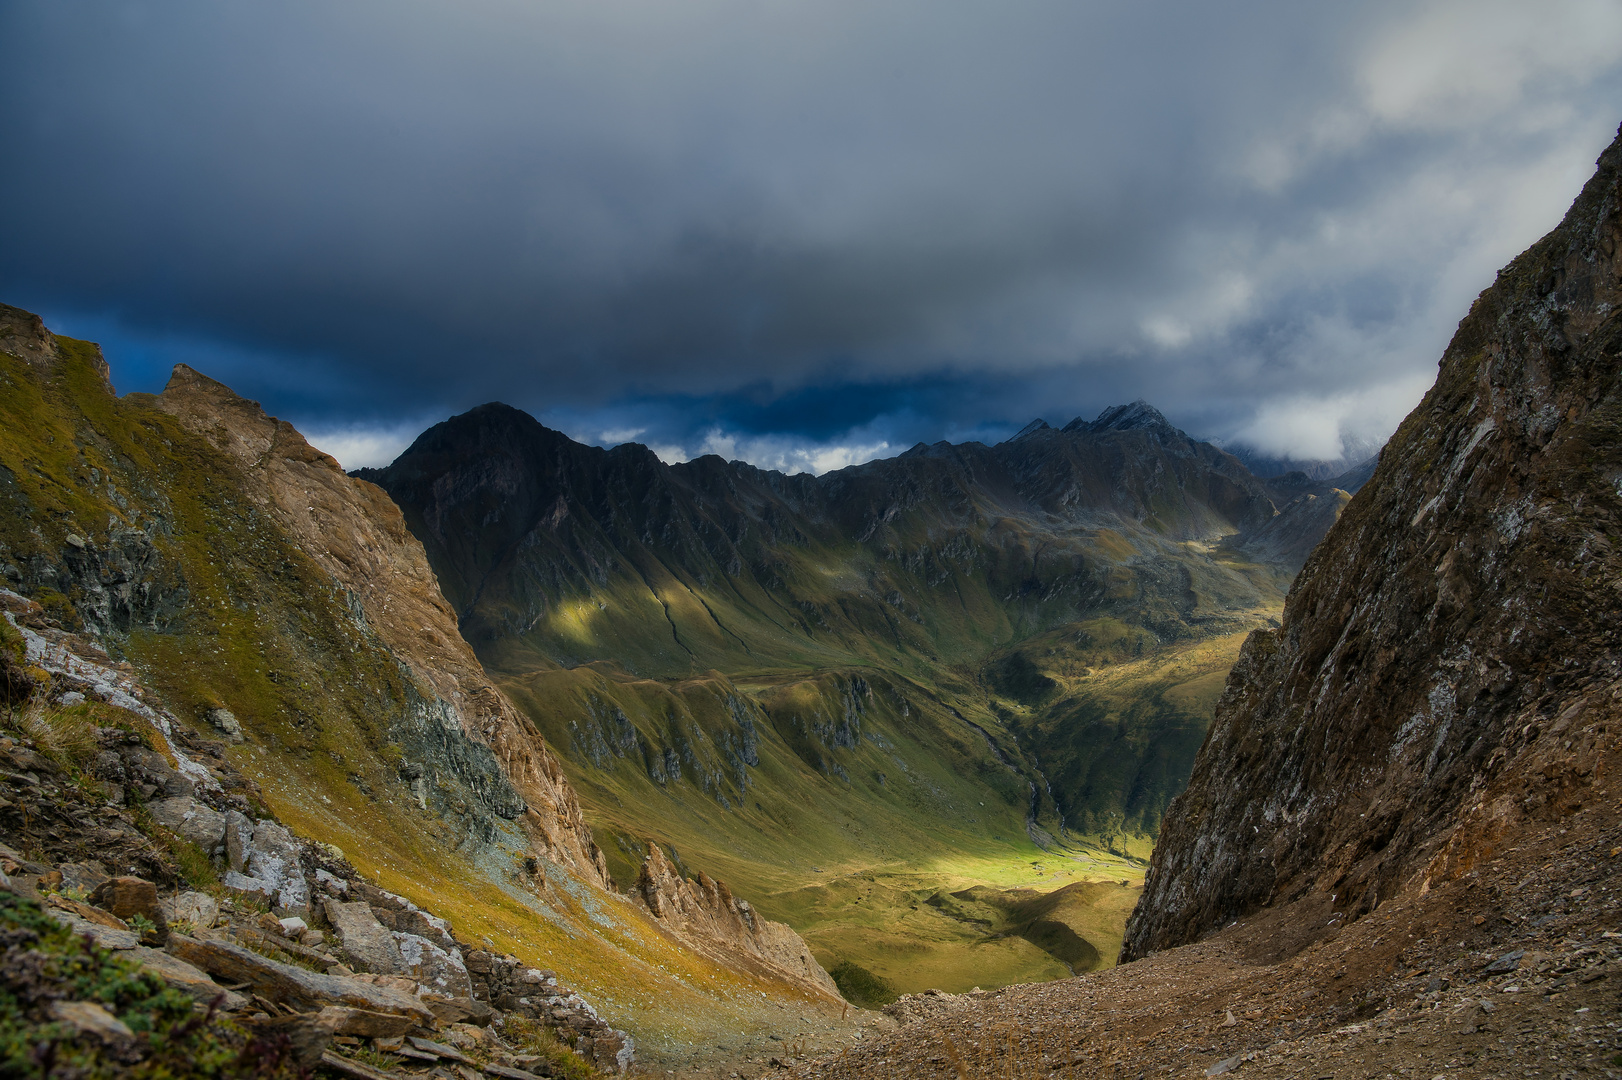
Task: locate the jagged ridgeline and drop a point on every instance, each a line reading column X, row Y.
column 270, row 600
column 1444, row 684
column 960, row 651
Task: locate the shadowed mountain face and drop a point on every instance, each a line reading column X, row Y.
column 972, row 589
column 1443, row 684
column 575, row 554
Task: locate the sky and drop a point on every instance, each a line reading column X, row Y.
column 805, row 233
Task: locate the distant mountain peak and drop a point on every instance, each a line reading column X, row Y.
column 1139, row 414
column 1032, row 428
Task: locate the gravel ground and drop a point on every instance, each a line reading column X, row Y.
column 1514, row 969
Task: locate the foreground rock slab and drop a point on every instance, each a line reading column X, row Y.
column 188, row 979
column 306, row 991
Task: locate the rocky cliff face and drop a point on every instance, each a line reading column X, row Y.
column 207, row 553
column 703, row 913
column 355, row 533
column 1445, row 676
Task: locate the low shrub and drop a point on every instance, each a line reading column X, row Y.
column 861, row 987
column 533, row 1037
column 43, row 962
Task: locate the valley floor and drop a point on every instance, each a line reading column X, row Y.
column 1408, row 991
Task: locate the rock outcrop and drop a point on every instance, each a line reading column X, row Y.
column 704, row 914
column 356, row 534
column 234, row 611
column 1446, row 675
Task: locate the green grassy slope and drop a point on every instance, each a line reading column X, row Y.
column 951, row 664
column 126, row 525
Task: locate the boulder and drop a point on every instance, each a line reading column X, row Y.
column 188, row 979
column 366, row 943
column 440, row 970
column 105, row 936
column 248, row 888
column 299, row 989
column 363, row 1023
column 403, row 983
column 459, row 1010
column 86, row 876
column 263, row 857
column 88, row 1018
column 307, row 1038
column 129, row 897
column 419, row 922
column 87, row 912
column 226, row 723
column 190, row 820
column 238, row 836
column 199, row 909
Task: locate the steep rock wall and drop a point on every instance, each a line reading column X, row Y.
column 1445, row 667
column 354, row 531
column 704, row 915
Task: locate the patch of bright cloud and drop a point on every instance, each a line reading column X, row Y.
column 1324, row 428
column 364, row 446
column 784, row 454
column 1458, row 62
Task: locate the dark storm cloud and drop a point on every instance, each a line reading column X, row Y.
column 792, row 228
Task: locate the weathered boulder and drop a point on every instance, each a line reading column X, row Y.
column 459, row 1010
column 89, row 1018
column 307, row 1038
column 129, row 897
column 86, row 876
column 188, row 979
column 264, row 857
column 294, row 986
column 437, row 969
column 199, row 909
column 367, row 943
column 190, row 820
column 423, row 925
column 363, row 1023
column 151, row 775
column 225, row 721
column 105, row 936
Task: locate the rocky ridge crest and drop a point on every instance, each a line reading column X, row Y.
column 1446, row 675
column 355, row 533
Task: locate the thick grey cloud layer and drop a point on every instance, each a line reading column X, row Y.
column 798, row 231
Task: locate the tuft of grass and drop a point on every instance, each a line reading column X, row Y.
column 534, row 1037
column 366, row 1055
column 194, row 865
column 65, row 736
column 17, row 682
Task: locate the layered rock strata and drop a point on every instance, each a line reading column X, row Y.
column 356, row 534
column 1446, row 674
column 703, row 914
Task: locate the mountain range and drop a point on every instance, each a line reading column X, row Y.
column 304, row 770
column 966, row 648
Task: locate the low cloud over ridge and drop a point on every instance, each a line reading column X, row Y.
column 703, row 222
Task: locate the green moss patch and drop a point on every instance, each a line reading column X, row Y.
column 44, row 965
